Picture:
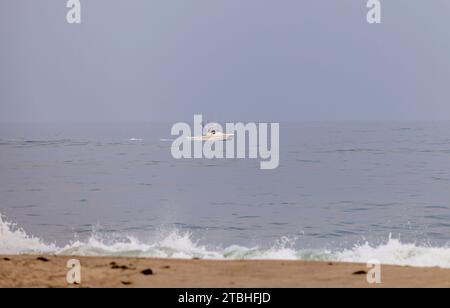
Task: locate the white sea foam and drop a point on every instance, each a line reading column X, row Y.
column 395, row 252
column 14, row 240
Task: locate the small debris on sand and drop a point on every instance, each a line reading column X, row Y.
column 147, row 272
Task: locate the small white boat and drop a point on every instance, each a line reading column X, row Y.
column 213, row 135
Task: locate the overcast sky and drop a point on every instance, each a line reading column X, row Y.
column 252, row 60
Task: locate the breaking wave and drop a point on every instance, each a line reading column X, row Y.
column 14, row 240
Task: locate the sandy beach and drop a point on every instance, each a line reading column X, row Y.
column 97, row 272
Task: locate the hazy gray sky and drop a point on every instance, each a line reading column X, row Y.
column 164, row 60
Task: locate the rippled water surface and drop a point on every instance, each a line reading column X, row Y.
column 338, row 184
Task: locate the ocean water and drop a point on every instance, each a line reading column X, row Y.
column 343, row 192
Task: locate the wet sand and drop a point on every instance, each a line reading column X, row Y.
column 96, row 272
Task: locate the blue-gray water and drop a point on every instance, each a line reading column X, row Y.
column 338, row 185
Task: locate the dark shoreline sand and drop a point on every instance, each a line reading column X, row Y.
column 50, row 271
